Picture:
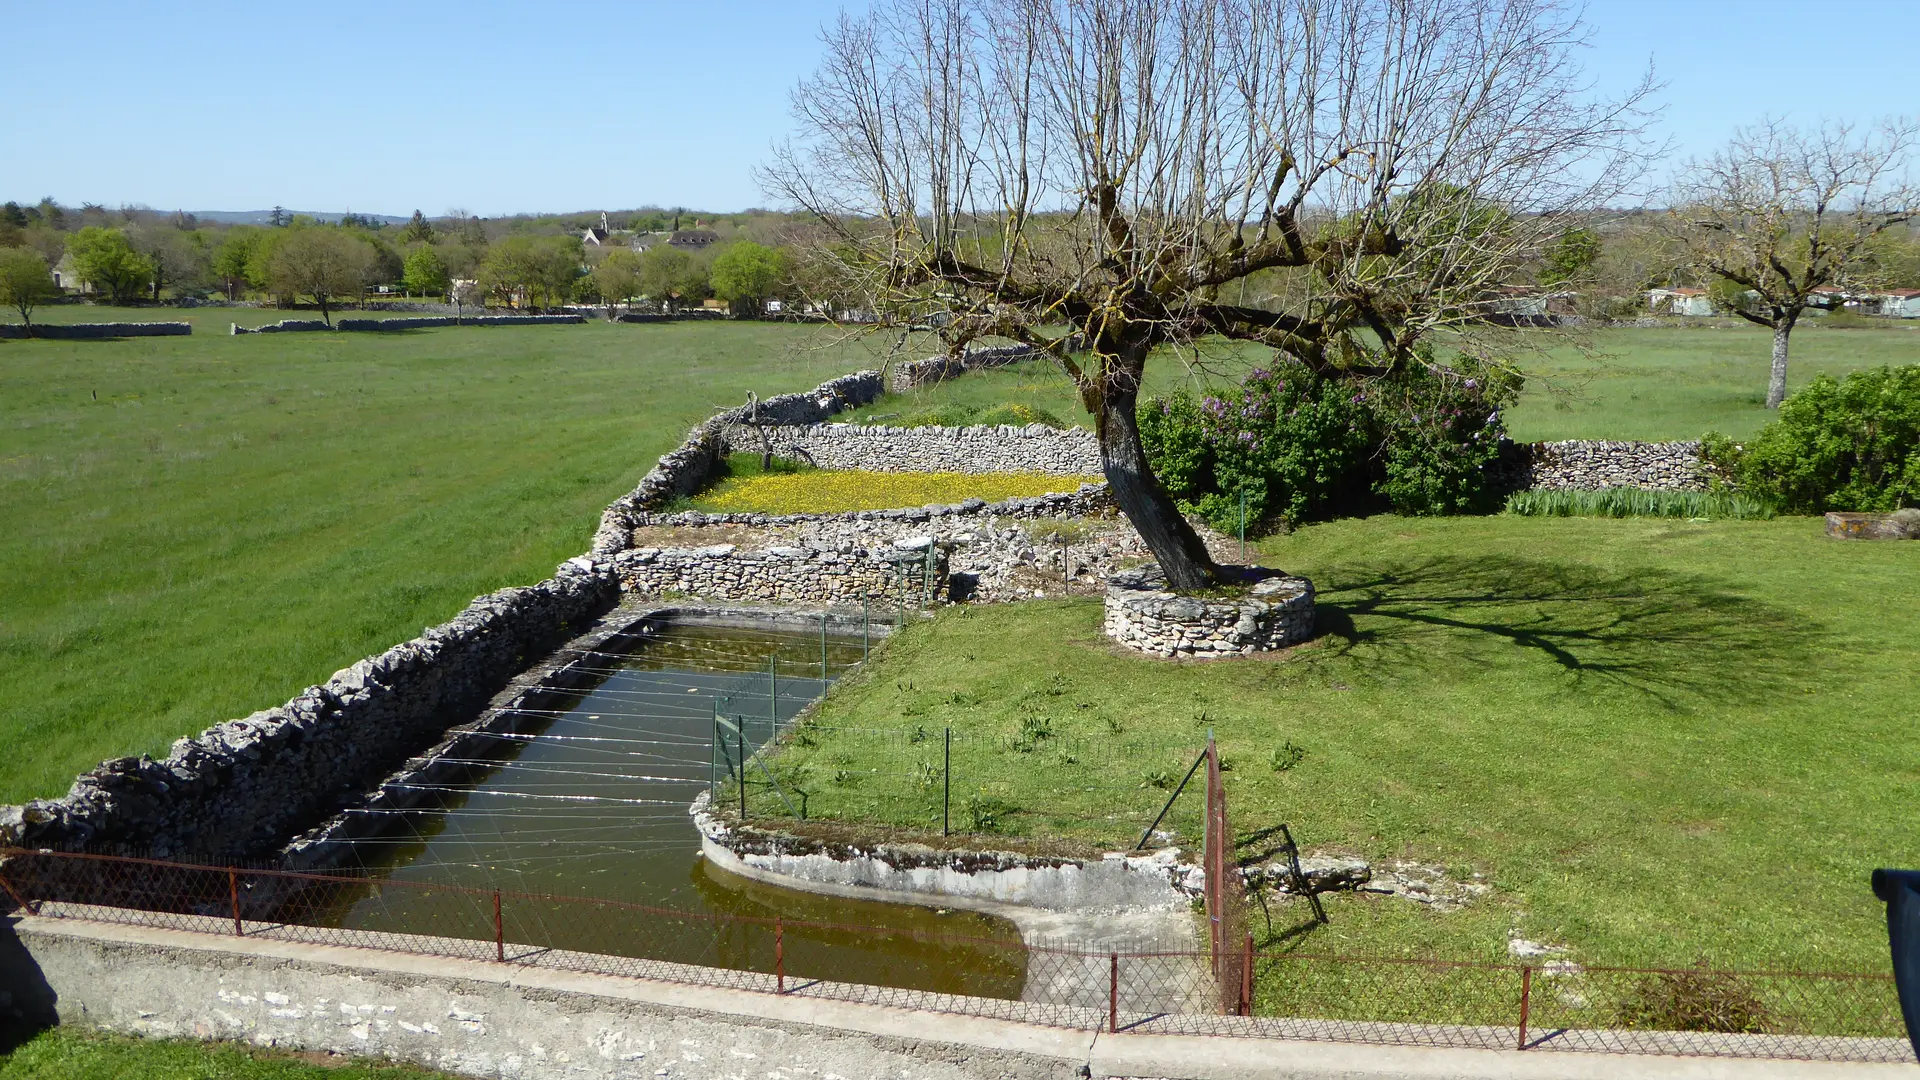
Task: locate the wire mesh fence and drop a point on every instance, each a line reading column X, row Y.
column 934, row 778
column 1558, row 1006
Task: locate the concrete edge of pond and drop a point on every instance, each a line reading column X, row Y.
column 489, row 1019
column 1120, row 902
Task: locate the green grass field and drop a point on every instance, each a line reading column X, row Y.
column 1658, row 740
column 1644, row 383
column 75, row 1054
column 197, row 527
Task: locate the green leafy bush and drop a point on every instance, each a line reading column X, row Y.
column 1851, row 444
column 1305, row 447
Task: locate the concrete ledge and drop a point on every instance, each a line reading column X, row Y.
column 499, row 1020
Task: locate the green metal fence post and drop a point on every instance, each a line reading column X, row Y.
column 946, row 788
column 866, row 628
column 823, row 653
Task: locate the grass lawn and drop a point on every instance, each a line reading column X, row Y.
column 1658, row 740
column 197, row 527
column 1647, row 384
column 75, row 1054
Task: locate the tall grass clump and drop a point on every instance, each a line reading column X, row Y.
column 1626, row 502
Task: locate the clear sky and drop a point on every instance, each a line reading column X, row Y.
column 503, row 108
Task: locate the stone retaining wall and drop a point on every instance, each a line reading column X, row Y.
column 1593, row 464
column 978, row 449
column 789, row 575
column 92, row 331
column 688, row 467
column 240, row 788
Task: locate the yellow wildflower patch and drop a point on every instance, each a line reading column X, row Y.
column 835, row 491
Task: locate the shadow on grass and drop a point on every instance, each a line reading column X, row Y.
column 1667, row 636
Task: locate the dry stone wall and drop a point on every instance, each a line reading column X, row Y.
column 240, row 788
column 913, row 571
column 1592, row 464
column 427, row 322
column 97, row 330
column 1276, row 612
column 977, row 449
column 688, row 467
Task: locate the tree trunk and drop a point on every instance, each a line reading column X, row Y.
column 1777, row 382
column 1147, row 505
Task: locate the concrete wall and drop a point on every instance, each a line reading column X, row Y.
column 897, row 872
column 495, row 1020
column 97, row 330
column 980, row 449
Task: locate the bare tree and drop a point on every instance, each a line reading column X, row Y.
column 1783, row 213
column 1116, row 173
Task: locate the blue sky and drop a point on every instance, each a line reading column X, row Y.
column 500, row 108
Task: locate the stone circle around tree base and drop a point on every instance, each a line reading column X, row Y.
column 1276, row 611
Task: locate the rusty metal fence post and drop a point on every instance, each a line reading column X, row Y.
column 233, row 895
column 17, row 898
column 1526, row 1002
column 499, row 931
column 779, row 957
column 1113, row 992
column 1246, row 978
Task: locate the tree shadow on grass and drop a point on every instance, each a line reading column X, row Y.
column 1670, row 637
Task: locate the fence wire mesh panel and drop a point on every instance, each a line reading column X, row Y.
column 1411, row 1002
column 934, row 778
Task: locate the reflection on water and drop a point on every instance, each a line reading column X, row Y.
column 596, row 805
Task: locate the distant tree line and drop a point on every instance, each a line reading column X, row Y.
column 139, row 255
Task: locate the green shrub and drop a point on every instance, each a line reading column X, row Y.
column 1624, row 502
column 1305, row 447
column 1852, row 444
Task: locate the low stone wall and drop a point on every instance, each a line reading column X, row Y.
column 242, row 787
column 1087, row 499
column 980, row 449
column 284, row 326
column 1594, row 464
column 688, row 467
column 431, row 321
column 789, row 575
column 935, row 369
column 1276, row 613
column 93, row 331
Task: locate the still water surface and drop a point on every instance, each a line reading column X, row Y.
column 595, row 805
